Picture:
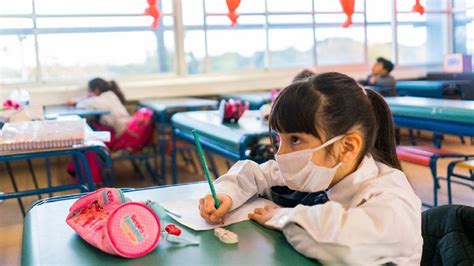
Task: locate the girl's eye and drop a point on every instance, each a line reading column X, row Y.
column 294, row 140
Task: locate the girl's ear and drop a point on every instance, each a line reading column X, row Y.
column 351, row 146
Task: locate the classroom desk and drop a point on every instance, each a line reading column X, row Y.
column 48, row 240
column 228, row 140
column 467, row 92
column 79, row 159
column 438, row 115
column 164, row 108
column 256, row 99
column 431, row 88
column 53, row 111
column 78, row 155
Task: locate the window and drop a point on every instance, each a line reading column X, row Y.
column 82, row 39
column 464, row 26
column 50, row 40
column 420, row 36
column 211, row 45
column 379, row 29
column 17, row 45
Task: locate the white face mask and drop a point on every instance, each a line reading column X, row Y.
column 301, row 174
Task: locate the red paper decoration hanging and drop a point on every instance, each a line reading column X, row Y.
column 348, row 9
column 232, row 5
column 154, row 12
column 418, row 8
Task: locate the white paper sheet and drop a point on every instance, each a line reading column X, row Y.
column 190, row 217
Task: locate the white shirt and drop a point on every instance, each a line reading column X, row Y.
column 373, row 216
column 117, row 119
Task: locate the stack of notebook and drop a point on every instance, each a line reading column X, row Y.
column 42, row 135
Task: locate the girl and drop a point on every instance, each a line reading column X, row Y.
column 130, row 133
column 108, row 96
column 345, row 199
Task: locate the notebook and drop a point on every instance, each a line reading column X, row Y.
column 186, row 212
column 42, row 135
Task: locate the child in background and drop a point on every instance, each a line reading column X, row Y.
column 381, row 77
column 127, row 133
column 304, row 74
column 107, row 95
column 343, row 197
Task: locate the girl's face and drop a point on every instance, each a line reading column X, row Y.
column 291, row 142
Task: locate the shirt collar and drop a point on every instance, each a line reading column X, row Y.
column 344, row 191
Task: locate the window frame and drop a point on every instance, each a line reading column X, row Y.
column 179, row 30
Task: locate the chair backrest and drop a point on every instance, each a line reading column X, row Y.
column 448, row 235
column 138, row 133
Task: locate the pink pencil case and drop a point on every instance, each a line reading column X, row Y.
column 105, row 220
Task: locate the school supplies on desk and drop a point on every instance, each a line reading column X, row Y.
column 109, row 221
column 190, row 217
column 41, row 135
column 231, row 111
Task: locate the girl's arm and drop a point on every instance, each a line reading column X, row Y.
column 246, row 179
column 384, row 227
column 90, row 102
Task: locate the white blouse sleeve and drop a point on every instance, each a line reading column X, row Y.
column 383, row 227
column 246, row 179
column 94, row 102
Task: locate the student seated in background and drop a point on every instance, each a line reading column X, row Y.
column 304, row 74
column 342, row 196
column 127, row 132
column 381, row 77
column 107, row 95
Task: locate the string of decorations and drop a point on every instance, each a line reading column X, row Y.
column 232, row 5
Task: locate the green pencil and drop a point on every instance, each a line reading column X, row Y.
column 205, row 168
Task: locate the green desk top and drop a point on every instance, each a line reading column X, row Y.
column 48, row 240
column 438, row 109
column 209, row 126
column 164, row 104
column 53, row 111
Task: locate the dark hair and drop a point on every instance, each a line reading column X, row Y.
column 304, row 74
column 334, row 103
column 387, row 64
column 103, row 86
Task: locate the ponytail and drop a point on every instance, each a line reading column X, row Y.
column 383, row 147
column 104, row 86
column 115, row 89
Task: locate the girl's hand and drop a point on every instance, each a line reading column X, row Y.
column 262, row 215
column 373, row 80
column 71, row 102
column 208, row 209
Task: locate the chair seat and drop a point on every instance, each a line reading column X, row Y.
column 469, row 165
column 407, row 156
column 422, row 155
column 429, row 151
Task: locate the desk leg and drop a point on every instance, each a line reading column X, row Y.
column 136, row 169
column 78, row 168
column 173, row 158
column 437, row 139
column 15, row 187
column 213, row 165
column 48, row 174
column 163, row 153
column 87, row 172
column 436, row 186
column 33, row 176
column 191, row 160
